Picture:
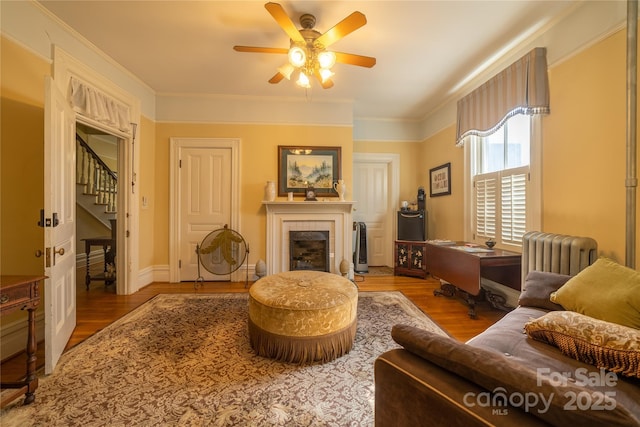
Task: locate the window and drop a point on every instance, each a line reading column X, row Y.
column 504, row 191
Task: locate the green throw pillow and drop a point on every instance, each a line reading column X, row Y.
column 606, row 291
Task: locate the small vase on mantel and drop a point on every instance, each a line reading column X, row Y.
column 341, row 189
column 270, row 191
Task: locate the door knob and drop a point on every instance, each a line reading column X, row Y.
column 57, row 251
column 39, row 253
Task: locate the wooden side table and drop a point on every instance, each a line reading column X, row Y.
column 464, row 267
column 21, row 293
column 107, row 242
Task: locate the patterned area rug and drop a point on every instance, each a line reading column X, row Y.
column 185, row 359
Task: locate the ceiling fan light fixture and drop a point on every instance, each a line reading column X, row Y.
column 307, row 55
column 303, row 80
column 326, row 74
column 297, row 56
column 286, row 70
column 326, row 59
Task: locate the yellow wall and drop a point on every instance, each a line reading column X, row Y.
column 583, row 160
column 258, row 164
column 22, row 177
column 583, row 156
column 146, row 185
column 22, row 139
column 410, row 163
column 584, row 146
column 446, row 213
column 21, row 160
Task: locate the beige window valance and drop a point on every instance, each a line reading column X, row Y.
column 98, row 106
column 521, row 88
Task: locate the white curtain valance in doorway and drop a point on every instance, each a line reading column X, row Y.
column 98, row 106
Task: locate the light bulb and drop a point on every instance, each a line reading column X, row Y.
column 297, row 56
column 326, row 59
column 303, row 80
column 326, row 74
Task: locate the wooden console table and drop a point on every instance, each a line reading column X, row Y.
column 21, row 293
column 464, row 267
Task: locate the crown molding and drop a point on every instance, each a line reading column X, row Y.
column 252, row 110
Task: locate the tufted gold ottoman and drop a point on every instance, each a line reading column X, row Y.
column 302, row 316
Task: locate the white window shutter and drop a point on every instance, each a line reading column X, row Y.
column 486, row 201
column 505, row 202
column 513, row 205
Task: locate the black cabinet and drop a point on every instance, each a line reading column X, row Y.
column 409, row 257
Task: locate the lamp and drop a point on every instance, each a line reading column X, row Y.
column 307, row 60
column 297, row 56
column 303, row 80
column 326, row 59
column 326, row 74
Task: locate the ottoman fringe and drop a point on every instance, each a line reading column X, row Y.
column 301, row 350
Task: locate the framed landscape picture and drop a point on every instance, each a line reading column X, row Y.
column 301, row 166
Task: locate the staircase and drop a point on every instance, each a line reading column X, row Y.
column 97, row 184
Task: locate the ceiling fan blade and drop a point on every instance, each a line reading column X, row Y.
column 277, row 78
column 255, row 49
column 352, row 59
column 342, row 28
column 284, row 21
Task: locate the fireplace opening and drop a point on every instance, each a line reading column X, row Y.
column 309, row 250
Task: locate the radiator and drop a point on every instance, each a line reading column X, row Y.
column 556, row 253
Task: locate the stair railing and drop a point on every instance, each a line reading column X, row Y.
column 99, row 180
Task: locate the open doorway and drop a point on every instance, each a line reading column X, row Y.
column 97, row 188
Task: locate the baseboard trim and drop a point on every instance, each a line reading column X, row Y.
column 145, row 277
column 160, row 273
column 95, row 257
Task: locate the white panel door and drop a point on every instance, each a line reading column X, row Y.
column 371, row 192
column 205, row 203
column 60, row 226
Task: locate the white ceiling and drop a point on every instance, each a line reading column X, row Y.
column 425, row 49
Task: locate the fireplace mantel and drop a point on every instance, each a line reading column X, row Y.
column 285, row 216
column 285, row 206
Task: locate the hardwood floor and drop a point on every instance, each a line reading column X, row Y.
column 100, row 306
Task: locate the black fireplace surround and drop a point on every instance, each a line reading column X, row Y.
column 309, row 250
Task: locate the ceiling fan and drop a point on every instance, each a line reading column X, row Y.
column 308, row 55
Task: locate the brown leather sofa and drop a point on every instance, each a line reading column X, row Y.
column 494, row 379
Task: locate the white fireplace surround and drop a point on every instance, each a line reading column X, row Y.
column 285, row 216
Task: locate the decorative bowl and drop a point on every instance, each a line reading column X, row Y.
column 490, row 243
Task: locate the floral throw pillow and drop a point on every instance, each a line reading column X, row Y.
column 603, row 344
